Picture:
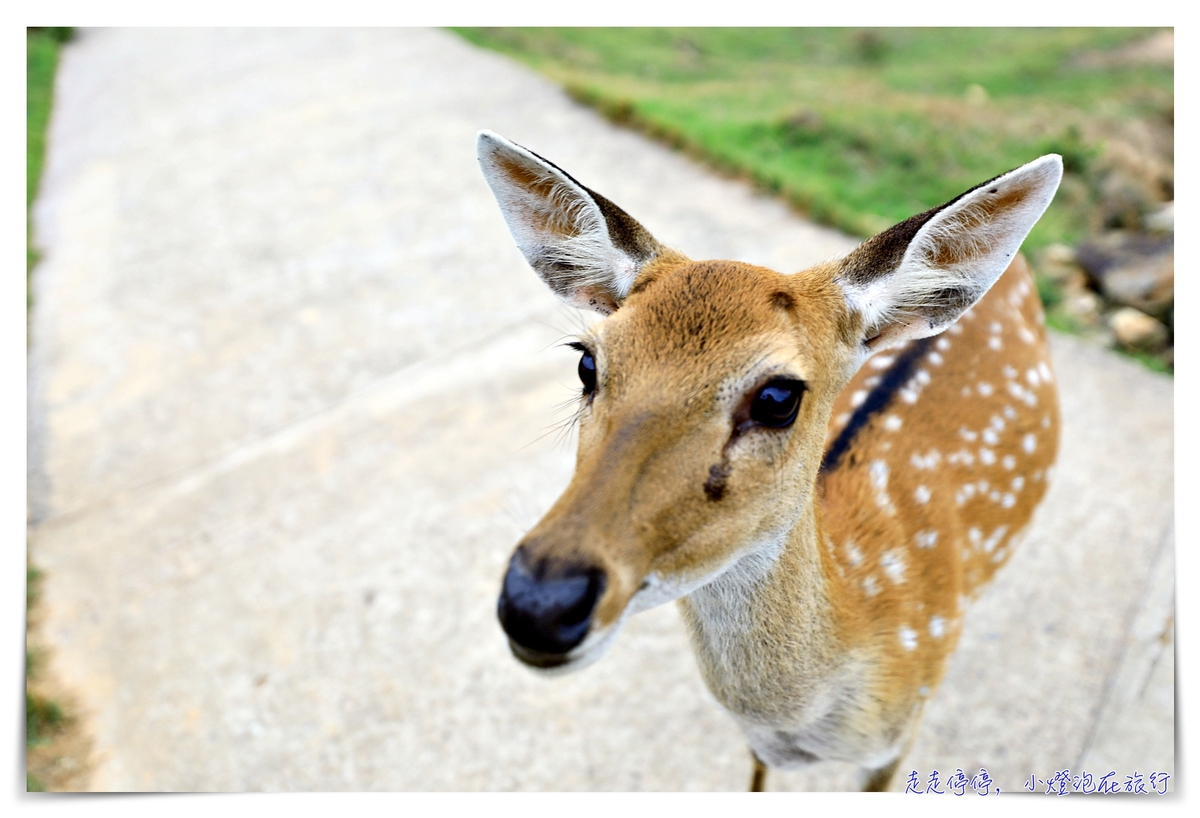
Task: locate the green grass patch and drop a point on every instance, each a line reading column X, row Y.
column 41, row 60
column 862, row 128
column 43, row 717
column 50, row 730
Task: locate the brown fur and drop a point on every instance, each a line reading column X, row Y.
column 822, row 601
column 643, row 497
column 938, row 579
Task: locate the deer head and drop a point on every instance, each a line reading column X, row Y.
column 707, row 388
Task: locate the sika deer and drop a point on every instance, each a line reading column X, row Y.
column 821, row 515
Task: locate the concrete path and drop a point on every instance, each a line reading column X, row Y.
column 290, row 389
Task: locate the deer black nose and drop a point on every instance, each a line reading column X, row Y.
column 548, row 612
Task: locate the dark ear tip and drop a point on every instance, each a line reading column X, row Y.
column 487, row 142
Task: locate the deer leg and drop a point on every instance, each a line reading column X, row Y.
column 758, row 782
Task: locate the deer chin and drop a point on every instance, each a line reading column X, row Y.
column 750, row 562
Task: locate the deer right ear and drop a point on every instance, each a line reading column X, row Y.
column 586, row 249
column 916, row 278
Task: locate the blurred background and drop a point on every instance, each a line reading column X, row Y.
column 294, row 394
column 861, row 128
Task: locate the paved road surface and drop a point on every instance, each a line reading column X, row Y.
column 289, row 383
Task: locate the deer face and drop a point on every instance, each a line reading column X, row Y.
column 705, row 399
column 708, row 388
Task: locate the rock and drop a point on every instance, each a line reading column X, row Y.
column 1123, row 200
column 1163, row 219
column 1136, row 330
column 1083, row 306
column 1132, row 269
column 1135, row 173
column 1059, row 254
column 1058, row 263
column 1148, row 286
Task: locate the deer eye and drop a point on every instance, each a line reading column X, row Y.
column 587, row 372
column 776, row 404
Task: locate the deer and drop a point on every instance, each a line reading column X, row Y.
column 821, row 468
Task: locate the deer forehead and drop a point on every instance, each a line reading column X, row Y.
column 719, row 322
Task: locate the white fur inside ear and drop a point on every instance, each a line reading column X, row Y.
column 955, row 258
column 556, row 224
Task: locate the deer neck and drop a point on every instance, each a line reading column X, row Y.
column 774, row 597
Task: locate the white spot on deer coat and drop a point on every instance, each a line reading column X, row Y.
column 882, row 361
column 985, row 388
column 922, row 495
column 927, row 539
column 908, row 637
column 858, row 397
column 1029, row 443
column 879, row 479
column 962, row 456
column 995, row 539
column 942, row 344
column 1009, row 462
column 893, row 565
column 928, row 461
column 892, row 423
column 994, row 343
column 1024, row 395
column 937, row 627
column 854, row 554
column 870, row 586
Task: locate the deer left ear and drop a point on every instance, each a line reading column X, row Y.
column 586, row 249
column 916, row 278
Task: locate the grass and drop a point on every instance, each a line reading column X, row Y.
column 49, row 737
column 862, row 128
column 41, row 60
column 44, row 717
